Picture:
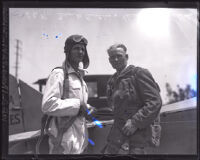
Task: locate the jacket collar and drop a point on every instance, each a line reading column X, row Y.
column 124, row 72
column 70, row 69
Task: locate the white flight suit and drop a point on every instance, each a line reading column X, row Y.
column 75, row 139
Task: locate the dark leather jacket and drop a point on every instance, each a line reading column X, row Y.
column 134, row 94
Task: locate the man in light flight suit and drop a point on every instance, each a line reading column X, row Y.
column 75, row 139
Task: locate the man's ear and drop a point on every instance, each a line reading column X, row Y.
column 126, row 56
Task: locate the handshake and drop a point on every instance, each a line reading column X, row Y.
column 87, row 110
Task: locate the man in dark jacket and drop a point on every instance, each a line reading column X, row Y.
column 136, row 102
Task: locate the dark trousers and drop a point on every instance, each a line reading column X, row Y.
column 116, row 139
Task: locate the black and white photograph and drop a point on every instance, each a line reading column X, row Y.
column 90, row 81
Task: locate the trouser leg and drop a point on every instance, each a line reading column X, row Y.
column 112, row 148
column 115, row 140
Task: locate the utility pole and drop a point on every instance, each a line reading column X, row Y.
column 17, row 58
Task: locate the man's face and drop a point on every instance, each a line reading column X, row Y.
column 77, row 53
column 118, row 59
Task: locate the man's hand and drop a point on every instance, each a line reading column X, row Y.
column 83, row 109
column 129, row 128
column 90, row 110
column 87, row 110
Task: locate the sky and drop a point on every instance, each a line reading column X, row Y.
column 162, row 40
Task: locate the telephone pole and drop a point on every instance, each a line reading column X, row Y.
column 17, row 58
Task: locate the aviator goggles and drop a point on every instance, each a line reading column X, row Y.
column 79, row 39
